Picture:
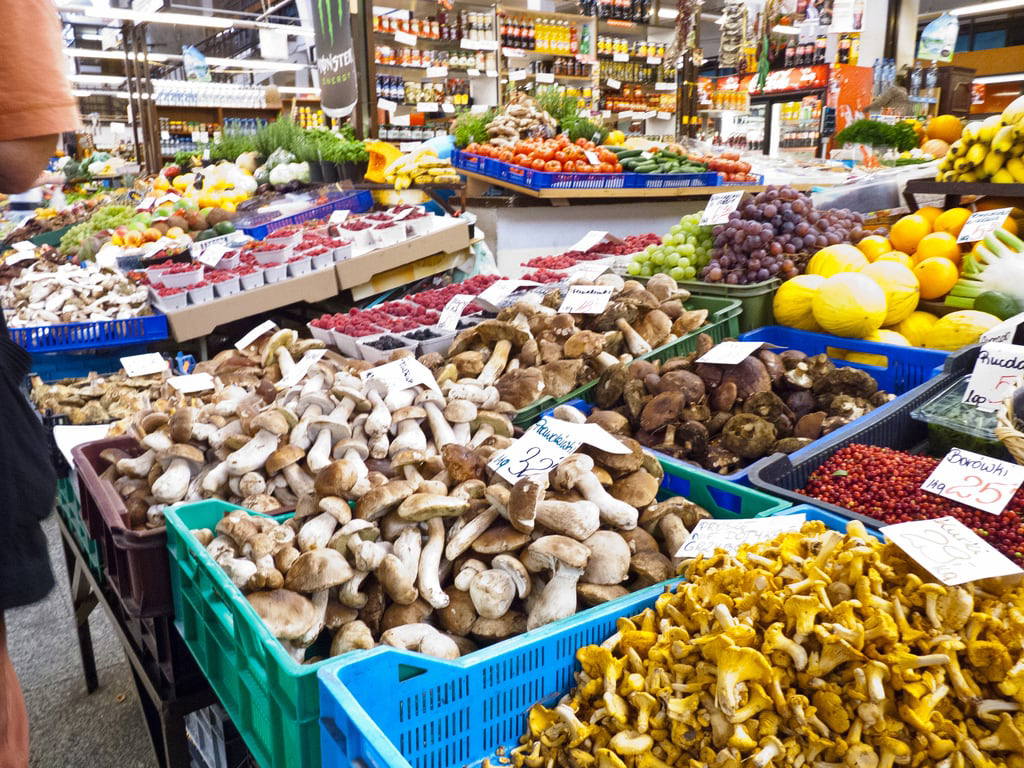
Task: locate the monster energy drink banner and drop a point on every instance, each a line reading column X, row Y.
column 334, row 57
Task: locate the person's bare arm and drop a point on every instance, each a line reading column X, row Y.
column 21, row 160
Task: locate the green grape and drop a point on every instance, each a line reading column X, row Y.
column 688, row 249
column 688, row 274
column 678, row 273
column 672, row 260
column 634, row 268
column 682, row 261
column 647, row 270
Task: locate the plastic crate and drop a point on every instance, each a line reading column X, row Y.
column 479, row 164
column 723, row 322
column 217, row 742
column 70, row 510
column 134, row 562
column 439, row 713
column 683, row 180
column 272, row 698
column 71, row 337
column 755, row 299
column 527, row 177
column 892, row 427
column 51, row 366
column 50, row 238
column 259, row 226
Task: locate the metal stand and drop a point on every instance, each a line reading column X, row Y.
column 164, row 714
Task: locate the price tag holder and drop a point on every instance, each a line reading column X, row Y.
column 586, row 299
column 387, row 105
column 982, row 223
column 427, row 106
column 664, row 115
column 544, row 445
column 949, row 550
column 406, row 39
column 210, row 256
column 730, row 352
column 401, row 374
column 719, row 207
column 469, row 45
column 437, row 72
column 592, row 157
column 265, row 327
column 301, row 368
column 409, row 146
column 1005, row 332
column 513, row 53
column 998, row 371
column 447, row 107
column 401, row 120
column 192, row 382
column 606, row 113
column 664, row 86
column 588, row 271
column 620, row 57
column 613, row 83
column 452, row 312
column 143, row 365
column 730, row 535
column 516, row 75
column 487, row 45
column 544, row 77
column 975, row 480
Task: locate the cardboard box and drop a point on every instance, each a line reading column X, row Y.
column 199, row 320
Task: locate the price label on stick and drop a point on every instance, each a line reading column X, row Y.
column 497, row 292
column 719, row 207
column 544, row 445
column 949, row 550
column 544, row 77
column 621, row 57
column 586, row 299
column 1005, row 332
column 731, row 352
column 401, row 374
column 592, row 157
column 975, row 480
column 143, row 365
column 592, row 238
column 193, row 382
column 998, row 371
column 982, row 223
column 301, row 368
column 338, row 216
column 452, row 312
column 210, row 256
column 730, row 535
column 613, row 83
column 265, row 327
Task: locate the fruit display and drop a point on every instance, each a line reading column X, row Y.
column 631, row 244
column 684, row 250
column 50, row 219
column 723, row 417
column 420, row 167
column 772, row 234
column 990, row 277
column 989, row 150
column 815, row 648
column 552, row 155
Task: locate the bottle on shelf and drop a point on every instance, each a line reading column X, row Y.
column 843, row 53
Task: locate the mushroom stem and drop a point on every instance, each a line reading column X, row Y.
column 300, row 483
column 558, row 599
column 319, row 453
column 495, row 363
column 254, row 454
column 485, row 431
column 462, row 432
column 173, row 483
column 379, row 420
column 439, row 426
column 461, row 539
column 430, row 564
column 284, row 361
column 216, row 478
column 604, row 360
column 636, row 343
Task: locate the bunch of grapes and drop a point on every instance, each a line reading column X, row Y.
column 774, row 234
column 683, row 251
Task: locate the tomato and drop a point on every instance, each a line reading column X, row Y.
column 562, row 141
column 569, row 165
column 606, row 156
column 605, row 168
column 522, row 159
column 581, row 142
column 472, row 148
column 506, row 155
column 545, row 154
column 537, row 165
column 552, row 166
column 584, row 167
column 617, row 168
column 561, row 156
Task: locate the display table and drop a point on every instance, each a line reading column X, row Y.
column 955, row 190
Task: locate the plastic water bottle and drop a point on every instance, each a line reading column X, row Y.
column 915, row 82
column 876, row 77
column 932, row 78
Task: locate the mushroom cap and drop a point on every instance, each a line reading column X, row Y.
column 287, row 614
column 462, row 463
column 492, row 592
column 184, row 451
column 274, row 421
column 153, row 420
column 343, row 392
column 489, row 331
column 584, row 344
column 650, row 568
column 523, row 499
column 498, row 539
column 408, row 412
column 408, row 457
column 512, row 623
column 114, row 455
column 611, row 422
column 283, row 457
column 423, row 506
column 595, row 594
column 381, row 498
column 521, row 386
column 609, row 558
column 340, row 430
column 180, row 425
column 284, row 337
column 335, row 479
column 638, row 489
column 317, row 569
column 460, row 411
column 315, row 397
column 570, row 470
column 458, row 616
column 514, row 568
column 547, row 550
column 617, row 463
column 561, row 376
column 497, row 421
column 661, row 410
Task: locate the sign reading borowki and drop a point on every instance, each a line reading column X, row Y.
column 335, row 60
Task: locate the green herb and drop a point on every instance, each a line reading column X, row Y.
column 840, row 473
column 581, row 128
column 900, row 136
column 282, row 133
column 469, row 128
column 230, row 146
column 563, row 107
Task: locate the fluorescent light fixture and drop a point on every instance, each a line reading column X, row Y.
column 996, row 5
column 989, row 79
column 89, row 53
column 253, row 64
column 113, row 94
column 782, row 29
column 181, row 19
column 311, row 91
column 667, row 13
column 97, row 79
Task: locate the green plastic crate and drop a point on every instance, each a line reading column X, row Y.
column 755, row 299
column 70, row 510
column 50, row 238
column 272, row 699
column 723, row 322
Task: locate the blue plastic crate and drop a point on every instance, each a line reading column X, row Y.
column 478, row 164
column 437, row 714
column 526, row 177
column 70, row 337
column 261, row 225
column 50, row 366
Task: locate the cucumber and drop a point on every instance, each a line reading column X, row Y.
column 648, row 167
column 616, row 150
column 630, row 153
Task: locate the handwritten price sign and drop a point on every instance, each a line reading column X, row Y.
column 730, row 535
column 998, row 371
column 543, row 446
column 975, row 480
column 949, row 550
column 586, row 299
column 401, row 374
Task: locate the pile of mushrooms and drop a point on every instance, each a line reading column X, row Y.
column 531, row 351
column 723, row 417
column 44, row 294
column 434, row 554
column 96, row 399
column 520, row 117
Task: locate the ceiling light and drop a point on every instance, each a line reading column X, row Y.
column 89, row 53
column 1010, row 78
column 181, row 19
column 298, row 90
column 97, row 79
column 113, row 94
column 254, row 64
column 667, row 13
column 996, row 5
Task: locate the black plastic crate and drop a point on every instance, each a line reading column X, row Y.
column 214, row 742
column 894, row 428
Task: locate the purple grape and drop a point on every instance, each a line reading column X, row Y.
column 763, row 274
column 822, row 241
column 769, row 211
column 775, row 248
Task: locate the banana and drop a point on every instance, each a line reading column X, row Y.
column 1014, row 112
column 1015, row 166
column 1017, row 149
column 947, row 176
column 976, row 155
column 989, row 128
column 969, row 176
column 1002, row 176
column 962, row 165
column 957, row 149
column 993, row 162
column 1003, row 140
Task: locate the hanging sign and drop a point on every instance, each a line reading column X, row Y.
column 335, row 60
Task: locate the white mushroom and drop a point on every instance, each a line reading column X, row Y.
column 422, row 638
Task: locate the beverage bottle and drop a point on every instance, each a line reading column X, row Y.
column 844, row 50
column 790, row 55
column 819, row 49
column 915, row 81
column 931, row 80
column 855, row 49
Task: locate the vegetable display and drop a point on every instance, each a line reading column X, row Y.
column 900, row 136
column 552, row 155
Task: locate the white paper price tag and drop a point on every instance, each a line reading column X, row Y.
column 447, row 107
column 193, row 382
column 301, row 368
column 730, row 535
column 265, row 327
column 400, row 374
column 586, row 299
column 427, row 106
column 1005, row 331
column 495, row 293
column 387, row 105
column 654, row 59
column 409, row 146
column 146, row 204
column 719, row 207
column 469, row 45
column 405, row 39
column 19, row 256
column 400, row 120
column 620, row 57
column 730, row 352
column 998, row 371
column 589, row 240
column 492, row 73
column 664, row 86
column 981, row 223
column 478, row 109
column 543, row 446
column 23, row 245
column 452, row 312
column 591, row 156
column 513, row 53
column 168, row 198
column 664, row 115
column 210, row 256
column 516, row 75
column 949, row 550
column 975, row 480
column 338, row 216
column 544, row 77
column 487, row 45
column 143, row 365
column 613, row 83
column 588, row 271
column 437, row 72
column 68, row 436
column 472, row 73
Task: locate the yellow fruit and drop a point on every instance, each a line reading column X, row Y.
column 834, row 259
column 874, row 246
column 952, row 221
column 935, row 147
column 1002, row 176
column 993, row 163
column 930, row 212
column 945, row 127
column 1003, row 140
column 976, row 155
column 908, row 231
column 615, row 138
column 898, row 256
column 915, row 327
column 958, row 329
column 792, row 302
column 228, row 205
column 900, row 286
column 849, row 304
column 883, row 336
column 940, row 244
column 936, row 276
column 1016, row 168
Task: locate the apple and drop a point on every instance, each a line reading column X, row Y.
column 133, row 239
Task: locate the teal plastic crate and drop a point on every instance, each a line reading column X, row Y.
column 270, row 697
column 441, row 714
column 70, row 510
column 723, row 322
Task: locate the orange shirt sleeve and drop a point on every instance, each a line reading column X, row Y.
column 35, row 97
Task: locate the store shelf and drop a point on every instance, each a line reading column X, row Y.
column 573, row 78
column 573, row 17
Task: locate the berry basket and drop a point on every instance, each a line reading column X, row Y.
column 270, row 697
column 891, row 427
column 72, row 337
column 449, row 713
column 258, row 226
